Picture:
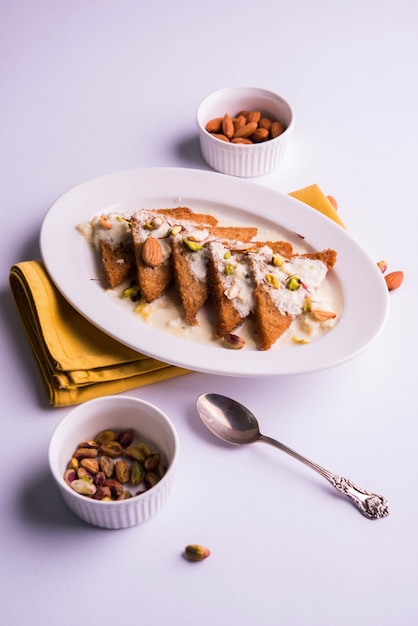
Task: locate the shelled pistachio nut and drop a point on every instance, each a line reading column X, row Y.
column 111, row 448
column 105, row 435
column 194, row 552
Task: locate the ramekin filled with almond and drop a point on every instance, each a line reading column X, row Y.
column 244, row 131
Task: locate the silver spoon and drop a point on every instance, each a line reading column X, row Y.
column 231, row 421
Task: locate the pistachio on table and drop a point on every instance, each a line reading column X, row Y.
column 107, row 467
column 194, row 552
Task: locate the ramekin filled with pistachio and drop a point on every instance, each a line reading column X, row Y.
column 113, row 460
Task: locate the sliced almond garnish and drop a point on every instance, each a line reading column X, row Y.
column 323, row 316
column 105, row 222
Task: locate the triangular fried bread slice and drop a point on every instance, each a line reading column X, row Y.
column 153, row 280
column 230, row 285
column 231, row 282
column 190, row 263
column 110, row 234
column 117, row 261
column 281, row 288
column 190, row 277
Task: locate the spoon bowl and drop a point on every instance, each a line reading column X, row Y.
column 234, row 423
column 228, row 419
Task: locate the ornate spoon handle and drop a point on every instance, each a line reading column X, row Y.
column 371, row 505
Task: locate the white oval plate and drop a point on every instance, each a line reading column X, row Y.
column 72, row 264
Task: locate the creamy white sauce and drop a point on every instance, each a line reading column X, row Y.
column 198, row 264
column 112, row 227
column 310, row 274
column 234, row 273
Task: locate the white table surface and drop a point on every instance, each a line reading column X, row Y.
column 93, row 87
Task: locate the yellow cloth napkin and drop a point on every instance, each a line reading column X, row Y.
column 76, row 360
column 313, row 196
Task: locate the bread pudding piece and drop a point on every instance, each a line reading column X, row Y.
column 190, row 262
column 189, row 266
column 117, row 261
column 231, row 282
column 283, row 288
column 110, row 234
column 154, row 277
column 230, row 285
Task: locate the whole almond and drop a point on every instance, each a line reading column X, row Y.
column 215, row 125
column 333, row 202
column 247, row 130
column 239, row 121
column 152, row 252
column 253, row 116
column 265, row 122
column 394, row 280
column 228, row 128
column 276, row 129
column 260, row 134
column 242, row 140
column 220, row 136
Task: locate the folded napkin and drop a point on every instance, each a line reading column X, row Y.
column 76, row 360
column 313, row 196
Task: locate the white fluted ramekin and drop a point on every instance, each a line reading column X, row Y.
column 237, row 159
column 83, row 423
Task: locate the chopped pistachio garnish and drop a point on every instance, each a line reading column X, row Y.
column 277, row 260
column 229, row 269
column 120, row 218
column 192, row 245
column 130, row 291
column 227, row 254
column 272, row 280
column 293, row 283
column 307, row 305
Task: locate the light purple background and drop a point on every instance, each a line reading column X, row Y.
column 92, row 87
